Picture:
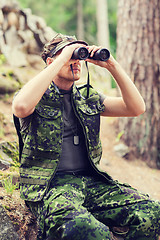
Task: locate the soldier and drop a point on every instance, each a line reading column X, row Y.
column 61, row 180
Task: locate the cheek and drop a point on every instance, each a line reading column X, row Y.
column 65, row 71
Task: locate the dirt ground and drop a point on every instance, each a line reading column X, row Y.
column 136, row 173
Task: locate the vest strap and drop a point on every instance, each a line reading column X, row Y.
column 33, row 181
column 39, row 153
column 34, row 172
column 38, row 163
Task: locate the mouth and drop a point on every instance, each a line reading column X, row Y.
column 76, row 69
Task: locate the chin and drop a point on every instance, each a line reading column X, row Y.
column 76, row 77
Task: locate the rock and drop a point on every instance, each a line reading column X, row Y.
column 21, row 33
column 5, row 160
column 13, row 19
column 9, row 157
column 34, row 60
column 4, row 165
column 105, row 161
column 15, row 56
column 8, row 154
column 11, row 37
column 49, row 33
column 1, row 17
column 7, row 231
column 9, row 82
column 121, row 149
column 7, row 5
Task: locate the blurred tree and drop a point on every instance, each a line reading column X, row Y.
column 112, row 21
column 80, row 24
column 103, row 32
column 62, row 17
column 138, row 50
column 102, row 23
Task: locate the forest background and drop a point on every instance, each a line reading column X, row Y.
column 62, row 16
column 133, row 38
column 130, row 30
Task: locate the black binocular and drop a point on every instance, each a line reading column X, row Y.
column 82, row 53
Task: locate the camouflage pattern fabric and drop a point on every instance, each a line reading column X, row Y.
column 43, row 139
column 85, row 208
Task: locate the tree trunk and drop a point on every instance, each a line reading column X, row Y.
column 138, row 51
column 102, row 23
column 103, row 34
column 80, row 25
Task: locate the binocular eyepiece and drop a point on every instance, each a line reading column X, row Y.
column 82, row 53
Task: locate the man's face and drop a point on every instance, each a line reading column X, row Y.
column 65, row 77
column 66, row 72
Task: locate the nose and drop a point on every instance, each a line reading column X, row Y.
column 75, row 61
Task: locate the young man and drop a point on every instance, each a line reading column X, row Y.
column 61, row 181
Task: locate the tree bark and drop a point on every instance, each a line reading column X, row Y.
column 80, row 25
column 103, row 34
column 102, row 23
column 138, row 51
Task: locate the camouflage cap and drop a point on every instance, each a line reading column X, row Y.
column 57, row 43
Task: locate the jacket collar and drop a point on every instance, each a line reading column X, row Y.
column 74, row 90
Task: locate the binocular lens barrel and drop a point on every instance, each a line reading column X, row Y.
column 82, row 54
column 102, row 55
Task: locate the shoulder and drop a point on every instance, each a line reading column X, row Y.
column 92, row 92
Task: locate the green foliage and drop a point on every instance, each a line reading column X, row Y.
column 112, row 16
column 61, row 16
column 1, row 125
column 90, row 25
column 9, row 73
column 2, row 59
column 8, row 185
column 1, row 131
column 120, row 134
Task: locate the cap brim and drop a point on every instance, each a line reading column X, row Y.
column 63, row 44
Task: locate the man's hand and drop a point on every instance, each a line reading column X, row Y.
column 108, row 64
column 67, row 51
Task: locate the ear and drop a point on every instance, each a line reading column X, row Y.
column 49, row 60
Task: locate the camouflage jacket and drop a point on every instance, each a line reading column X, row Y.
column 43, row 139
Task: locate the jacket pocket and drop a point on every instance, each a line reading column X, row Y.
column 48, row 112
column 91, row 108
